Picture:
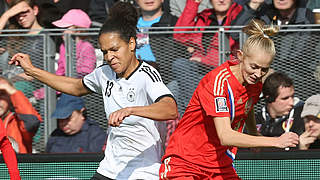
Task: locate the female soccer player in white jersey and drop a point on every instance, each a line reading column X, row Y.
column 135, row 99
column 204, row 144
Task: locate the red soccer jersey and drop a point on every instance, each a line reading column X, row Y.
column 219, row 94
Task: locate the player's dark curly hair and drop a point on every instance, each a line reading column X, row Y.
column 123, row 18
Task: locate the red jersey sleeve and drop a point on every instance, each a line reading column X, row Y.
column 213, row 94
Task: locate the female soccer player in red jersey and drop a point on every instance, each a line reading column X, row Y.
column 205, row 142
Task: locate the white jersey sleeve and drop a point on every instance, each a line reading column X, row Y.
column 94, row 80
column 155, row 87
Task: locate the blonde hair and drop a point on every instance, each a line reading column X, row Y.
column 259, row 36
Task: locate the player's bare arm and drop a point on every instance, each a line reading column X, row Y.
column 164, row 109
column 69, row 85
column 251, row 124
column 229, row 137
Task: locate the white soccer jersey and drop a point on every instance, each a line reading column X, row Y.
column 134, row 149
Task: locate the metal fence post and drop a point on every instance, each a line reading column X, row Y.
column 50, row 96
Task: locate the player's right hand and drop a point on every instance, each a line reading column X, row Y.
column 117, row 117
column 22, row 60
column 288, row 139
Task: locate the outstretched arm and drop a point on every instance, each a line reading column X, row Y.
column 229, row 137
column 164, row 109
column 68, row 85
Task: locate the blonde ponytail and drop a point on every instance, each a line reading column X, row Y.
column 259, row 36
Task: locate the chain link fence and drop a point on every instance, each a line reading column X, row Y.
column 297, row 55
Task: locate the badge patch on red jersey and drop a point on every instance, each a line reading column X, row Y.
column 221, row 104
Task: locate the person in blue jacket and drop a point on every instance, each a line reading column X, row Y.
column 75, row 132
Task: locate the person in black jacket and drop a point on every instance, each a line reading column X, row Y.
column 75, row 132
column 282, row 110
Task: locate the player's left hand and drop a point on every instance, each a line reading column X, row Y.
column 117, row 117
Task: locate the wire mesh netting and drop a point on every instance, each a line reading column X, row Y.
column 297, row 55
column 35, row 47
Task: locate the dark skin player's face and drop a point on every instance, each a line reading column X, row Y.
column 118, row 53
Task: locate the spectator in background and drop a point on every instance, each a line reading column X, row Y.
column 8, row 154
column 160, row 49
column 310, row 139
column 203, row 47
column 311, row 114
column 295, row 49
column 151, row 13
column 48, row 12
column 177, row 6
column 99, row 10
column 85, row 54
column 281, row 108
column 242, row 2
column 65, row 5
column 3, row 57
column 18, row 116
column 76, row 132
column 22, row 14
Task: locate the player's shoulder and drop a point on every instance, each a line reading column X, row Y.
column 104, row 68
column 220, row 73
column 149, row 72
column 104, row 65
column 149, row 65
column 217, row 79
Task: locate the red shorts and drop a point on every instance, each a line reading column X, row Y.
column 174, row 168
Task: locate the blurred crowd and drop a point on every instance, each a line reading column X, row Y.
column 182, row 58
